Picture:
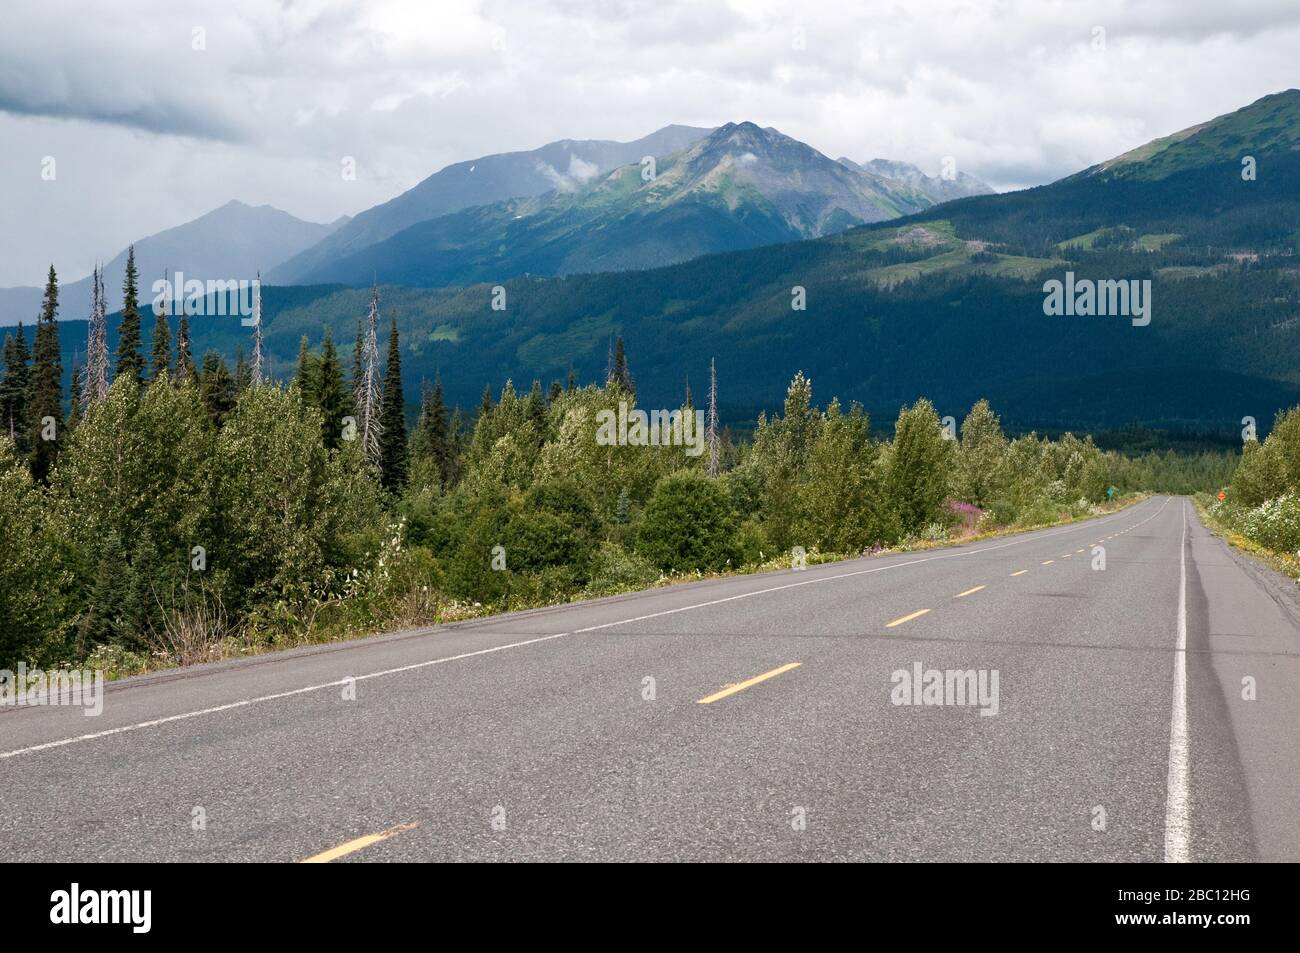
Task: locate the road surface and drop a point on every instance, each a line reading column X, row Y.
column 749, row 718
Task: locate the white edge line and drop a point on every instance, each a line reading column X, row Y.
column 266, row 698
column 544, row 638
column 1177, row 826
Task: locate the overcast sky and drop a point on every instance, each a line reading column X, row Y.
column 156, row 112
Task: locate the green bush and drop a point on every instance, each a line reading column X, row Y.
column 475, row 522
column 614, row 569
column 752, row 542
column 687, row 525
column 537, row 539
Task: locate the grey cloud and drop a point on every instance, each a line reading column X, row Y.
column 156, row 117
column 284, row 91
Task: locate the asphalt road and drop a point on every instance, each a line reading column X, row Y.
column 1121, row 732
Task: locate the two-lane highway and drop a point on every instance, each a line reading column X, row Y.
column 1118, row 689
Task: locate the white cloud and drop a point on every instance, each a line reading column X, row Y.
column 149, row 131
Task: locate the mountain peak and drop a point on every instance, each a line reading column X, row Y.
column 744, row 135
column 566, row 164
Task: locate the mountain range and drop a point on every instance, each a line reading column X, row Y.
column 566, row 165
column 232, row 241
column 946, row 302
column 739, row 186
column 569, row 206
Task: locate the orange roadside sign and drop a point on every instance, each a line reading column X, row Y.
column 1222, row 496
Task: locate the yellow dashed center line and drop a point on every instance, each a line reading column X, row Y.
column 907, row 618
column 1048, row 562
column 1020, row 573
column 732, row 689
column 352, row 846
column 968, row 592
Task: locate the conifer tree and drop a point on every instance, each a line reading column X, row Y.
column 107, row 596
column 161, row 351
column 184, row 357
column 13, row 391
column 485, row 405
column 619, row 372
column 78, row 383
column 129, row 360
column 536, row 411
column 433, row 426
column 216, row 388
column 392, row 427
column 45, row 390
column 331, row 393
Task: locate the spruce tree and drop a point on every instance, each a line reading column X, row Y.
column 536, row 411
column 184, row 357
column 129, row 360
column 78, row 382
column 485, row 406
column 45, row 390
column 216, row 388
column 331, row 393
column 392, row 419
column 101, row 621
column 437, row 438
column 619, row 373
column 161, row 351
column 13, row 391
